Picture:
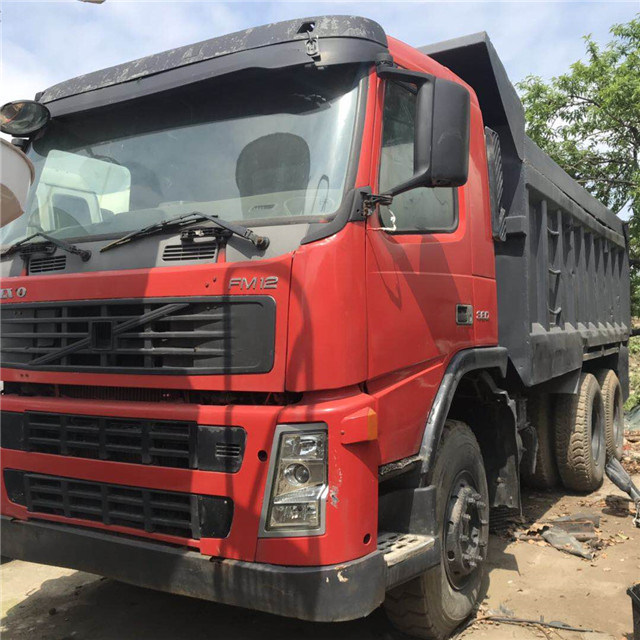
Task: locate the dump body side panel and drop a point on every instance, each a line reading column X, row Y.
column 562, row 270
column 563, row 277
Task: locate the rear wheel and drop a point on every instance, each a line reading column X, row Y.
column 435, row 604
column 580, row 436
column 613, row 412
column 546, row 473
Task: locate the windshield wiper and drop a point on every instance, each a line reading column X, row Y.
column 26, row 248
column 261, row 242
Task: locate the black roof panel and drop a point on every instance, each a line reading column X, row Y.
column 270, row 34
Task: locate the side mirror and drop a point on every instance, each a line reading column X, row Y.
column 441, row 135
column 23, row 117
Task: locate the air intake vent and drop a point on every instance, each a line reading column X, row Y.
column 224, row 450
column 50, row 263
column 191, row 251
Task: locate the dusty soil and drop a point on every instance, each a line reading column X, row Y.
column 631, row 452
column 528, row 580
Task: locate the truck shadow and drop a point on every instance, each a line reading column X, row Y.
column 84, row 607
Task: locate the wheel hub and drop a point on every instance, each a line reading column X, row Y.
column 466, row 532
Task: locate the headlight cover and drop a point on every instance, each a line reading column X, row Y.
column 295, row 496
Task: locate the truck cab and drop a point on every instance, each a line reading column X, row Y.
column 256, row 345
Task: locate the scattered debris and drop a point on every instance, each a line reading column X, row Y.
column 622, row 480
column 566, row 533
column 564, row 541
column 502, row 617
column 582, row 526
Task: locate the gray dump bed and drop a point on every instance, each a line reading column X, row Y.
column 562, row 268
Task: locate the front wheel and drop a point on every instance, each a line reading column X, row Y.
column 435, row 604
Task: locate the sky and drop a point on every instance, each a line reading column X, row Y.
column 43, row 43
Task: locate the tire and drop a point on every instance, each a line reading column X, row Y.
column 433, row 605
column 613, row 412
column 546, row 475
column 580, row 436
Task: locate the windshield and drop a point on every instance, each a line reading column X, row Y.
column 265, row 147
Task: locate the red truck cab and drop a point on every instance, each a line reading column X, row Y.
column 247, row 320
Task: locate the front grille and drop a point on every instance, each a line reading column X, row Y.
column 49, row 263
column 183, row 515
column 164, row 443
column 162, row 336
column 190, row 251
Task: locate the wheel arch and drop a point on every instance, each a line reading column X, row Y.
column 463, row 367
column 468, row 392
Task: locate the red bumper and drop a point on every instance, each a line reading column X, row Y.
column 351, row 518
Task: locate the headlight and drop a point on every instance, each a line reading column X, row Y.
column 297, row 485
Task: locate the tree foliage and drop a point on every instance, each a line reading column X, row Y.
column 588, row 121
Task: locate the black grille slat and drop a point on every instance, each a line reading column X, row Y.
column 169, row 452
column 151, row 510
column 125, row 515
column 216, row 335
column 123, row 431
column 41, row 440
column 186, row 508
column 169, row 436
column 169, row 522
column 37, row 350
column 149, row 335
column 43, row 334
column 166, row 351
column 201, row 318
column 58, row 319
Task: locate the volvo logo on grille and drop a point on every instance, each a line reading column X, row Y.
column 8, row 292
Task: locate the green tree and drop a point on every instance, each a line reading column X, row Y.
column 588, row 121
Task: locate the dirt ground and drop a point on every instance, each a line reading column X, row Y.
column 527, row 579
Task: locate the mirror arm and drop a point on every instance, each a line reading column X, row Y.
column 372, row 200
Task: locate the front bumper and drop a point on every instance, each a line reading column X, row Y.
column 331, row 593
column 351, row 512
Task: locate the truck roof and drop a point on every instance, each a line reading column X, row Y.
column 473, row 58
column 353, row 27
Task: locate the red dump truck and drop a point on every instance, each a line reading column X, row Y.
column 289, row 315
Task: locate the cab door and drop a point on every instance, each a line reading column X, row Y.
column 420, row 293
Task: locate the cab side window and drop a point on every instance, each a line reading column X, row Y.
column 423, row 209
